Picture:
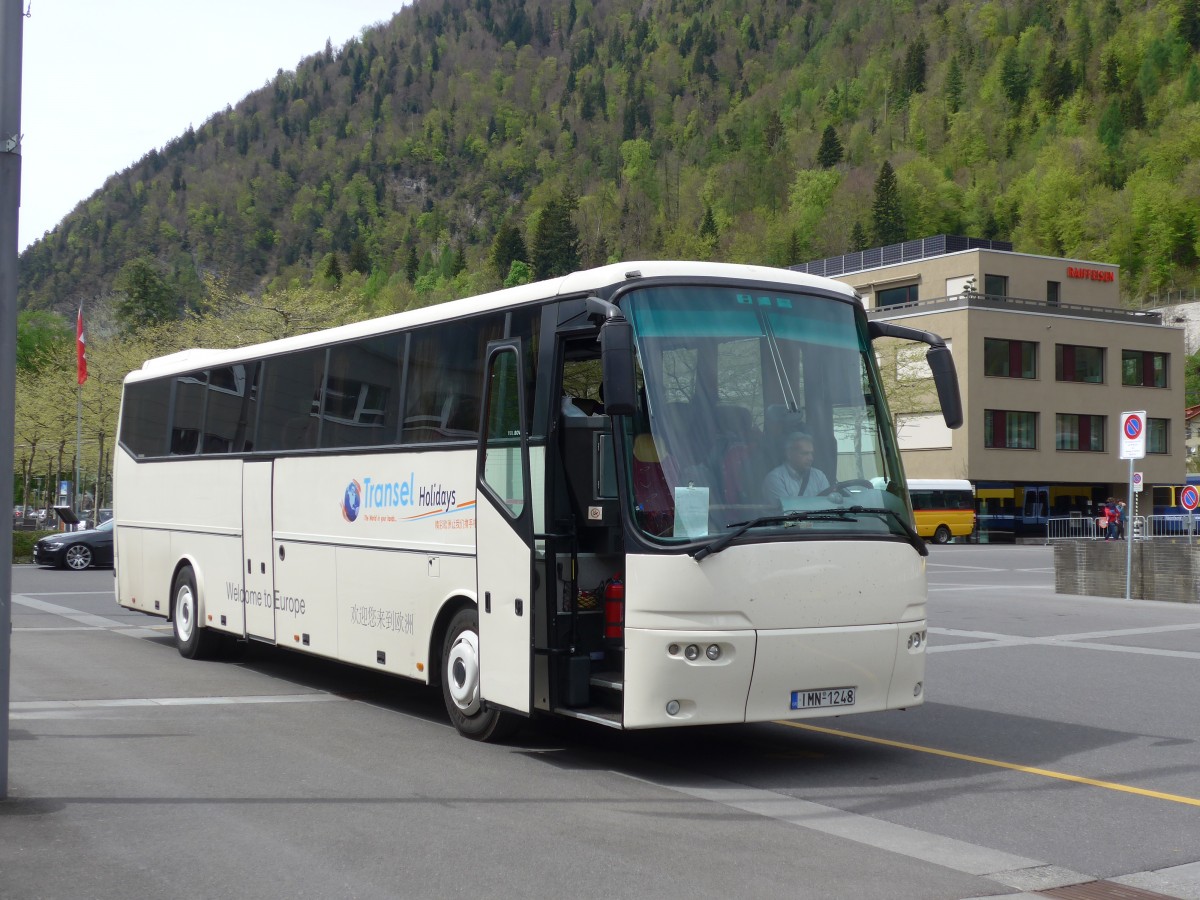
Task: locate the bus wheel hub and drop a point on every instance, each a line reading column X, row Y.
column 463, row 672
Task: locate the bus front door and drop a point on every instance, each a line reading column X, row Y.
column 504, row 535
column 258, row 576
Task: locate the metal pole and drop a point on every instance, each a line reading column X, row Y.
column 1128, row 534
column 12, row 21
column 78, row 490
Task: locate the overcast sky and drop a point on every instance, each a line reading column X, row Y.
column 106, row 81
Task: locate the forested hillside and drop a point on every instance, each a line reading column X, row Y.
column 420, row 160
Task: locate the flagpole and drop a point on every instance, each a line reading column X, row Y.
column 80, row 377
column 78, row 443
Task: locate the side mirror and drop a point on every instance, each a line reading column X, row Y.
column 616, row 361
column 941, row 364
column 945, row 379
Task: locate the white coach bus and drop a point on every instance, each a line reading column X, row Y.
column 548, row 500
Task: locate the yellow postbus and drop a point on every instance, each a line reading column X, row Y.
column 943, row 508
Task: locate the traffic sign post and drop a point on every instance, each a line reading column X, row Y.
column 1189, row 499
column 1133, row 446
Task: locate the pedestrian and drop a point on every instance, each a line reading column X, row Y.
column 1110, row 519
column 1120, row 520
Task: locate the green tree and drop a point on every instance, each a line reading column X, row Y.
column 554, row 249
column 359, row 260
column 774, row 130
column 333, row 269
column 858, row 238
column 518, row 273
column 1191, row 371
column 507, row 247
column 1014, row 77
column 1112, row 125
column 40, row 336
column 954, row 85
column 887, row 217
column 1189, row 22
column 1058, row 79
column 912, row 73
column 411, row 265
column 830, row 152
column 147, row 298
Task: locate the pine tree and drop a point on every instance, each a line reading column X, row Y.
column 508, row 247
column 411, row 265
column 858, row 238
column 360, row 260
column 1189, row 22
column 1014, row 77
column 830, row 152
column 954, row 86
column 913, row 75
column 148, row 298
column 333, row 269
column 774, row 130
column 886, row 215
column 554, row 249
column 708, row 225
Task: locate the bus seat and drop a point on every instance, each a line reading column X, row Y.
column 652, row 489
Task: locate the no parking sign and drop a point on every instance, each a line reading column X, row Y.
column 1133, row 435
column 1189, row 497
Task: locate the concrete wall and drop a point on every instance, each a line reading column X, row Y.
column 1161, row 569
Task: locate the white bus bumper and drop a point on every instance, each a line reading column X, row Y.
column 755, row 673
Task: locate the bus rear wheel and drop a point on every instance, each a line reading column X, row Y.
column 193, row 641
column 460, row 683
column 942, row 535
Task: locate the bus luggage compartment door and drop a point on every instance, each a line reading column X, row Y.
column 258, row 564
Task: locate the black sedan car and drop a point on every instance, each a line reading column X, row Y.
column 76, row 549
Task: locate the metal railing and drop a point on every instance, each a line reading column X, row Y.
column 1086, row 528
column 975, row 299
column 1072, row 528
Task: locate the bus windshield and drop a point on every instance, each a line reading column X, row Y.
column 759, row 409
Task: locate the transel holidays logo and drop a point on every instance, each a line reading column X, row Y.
column 372, row 497
column 352, row 501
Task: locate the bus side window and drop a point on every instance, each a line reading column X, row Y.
column 291, row 388
column 445, row 376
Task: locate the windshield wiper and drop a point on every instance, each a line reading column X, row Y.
column 846, row 514
column 741, row 528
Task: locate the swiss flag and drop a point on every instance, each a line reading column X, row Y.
column 80, row 348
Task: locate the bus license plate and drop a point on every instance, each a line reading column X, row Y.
column 841, row 696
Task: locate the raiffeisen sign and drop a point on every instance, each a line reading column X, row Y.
column 1090, row 274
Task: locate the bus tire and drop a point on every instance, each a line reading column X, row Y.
column 942, row 535
column 193, row 641
column 470, row 716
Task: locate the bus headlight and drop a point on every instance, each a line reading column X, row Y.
column 692, row 652
column 916, row 640
column 713, row 652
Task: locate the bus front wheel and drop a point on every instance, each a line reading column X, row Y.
column 460, row 682
column 193, row 641
column 942, row 535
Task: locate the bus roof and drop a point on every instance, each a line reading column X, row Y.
column 940, row 484
column 576, row 283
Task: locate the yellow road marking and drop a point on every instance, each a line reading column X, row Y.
column 999, row 764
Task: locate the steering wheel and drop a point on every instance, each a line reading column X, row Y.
column 845, row 485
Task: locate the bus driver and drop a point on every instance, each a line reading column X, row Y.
column 795, row 477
